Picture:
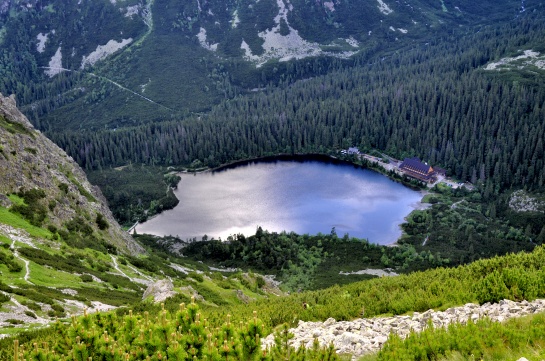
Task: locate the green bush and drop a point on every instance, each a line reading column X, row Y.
column 260, row 281
column 522, row 275
column 32, row 305
column 33, row 210
column 142, row 263
column 196, row 276
column 86, row 278
column 30, row 314
column 183, row 335
column 10, row 262
column 481, row 340
column 101, row 222
column 64, row 188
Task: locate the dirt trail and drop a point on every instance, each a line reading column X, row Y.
column 141, row 281
column 26, row 262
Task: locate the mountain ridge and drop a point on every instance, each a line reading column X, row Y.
column 29, row 161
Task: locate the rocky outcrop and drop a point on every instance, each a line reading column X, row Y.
column 160, row 290
column 521, row 201
column 366, row 335
column 242, row 297
column 29, row 160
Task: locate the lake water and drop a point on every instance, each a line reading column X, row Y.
column 299, row 196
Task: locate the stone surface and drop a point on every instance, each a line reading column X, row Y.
column 30, row 160
column 366, row 335
column 160, row 290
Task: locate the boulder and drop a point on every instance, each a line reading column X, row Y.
column 4, row 201
column 160, row 290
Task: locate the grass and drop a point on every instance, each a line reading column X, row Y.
column 16, row 221
column 4, row 239
column 428, row 197
column 81, row 189
column 14, row 127
column 16, row 199
column 11, row 331
column 49, row 277
column 11, row 277
column 228, row 295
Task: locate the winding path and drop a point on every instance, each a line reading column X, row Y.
column 26, row 262
column 145, row 281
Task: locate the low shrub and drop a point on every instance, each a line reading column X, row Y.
column 86, row 278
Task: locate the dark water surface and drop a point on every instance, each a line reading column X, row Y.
column 299, row 196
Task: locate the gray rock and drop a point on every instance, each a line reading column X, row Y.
column 29, row 160
column 160, row 290
column 241, row 296
column 362, row 336
column 4, row 201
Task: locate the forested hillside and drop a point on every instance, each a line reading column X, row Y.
column 171, row 58
column 434, row 100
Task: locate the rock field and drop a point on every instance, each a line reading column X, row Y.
column 365, row 335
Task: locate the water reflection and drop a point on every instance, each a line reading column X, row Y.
column 304, row 197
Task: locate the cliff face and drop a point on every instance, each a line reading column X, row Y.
column 30, row 161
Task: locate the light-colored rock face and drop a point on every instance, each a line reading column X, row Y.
column 160, row 290
column 366, row 335
column 102, row 51
column 55, row 64
column 29, row 160
column 521, row 201
column 4, row 6
column 528, row 58
column 290, row 46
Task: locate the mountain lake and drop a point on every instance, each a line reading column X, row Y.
column 304, row 195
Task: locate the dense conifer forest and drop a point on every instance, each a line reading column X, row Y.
column 432, row 99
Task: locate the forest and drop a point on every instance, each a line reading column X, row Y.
column 111, row 93
column 143, row 192
column 432, row 100
column 300, row 262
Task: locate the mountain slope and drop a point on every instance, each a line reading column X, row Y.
column 48, row 187
column 174, row 57
column 61, row 251
column 57, row 236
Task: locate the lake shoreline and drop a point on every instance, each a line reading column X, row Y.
column 298, row 157
column 324, row 159
column 304, row 157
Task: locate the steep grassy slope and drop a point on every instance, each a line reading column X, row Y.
column 55, row 230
